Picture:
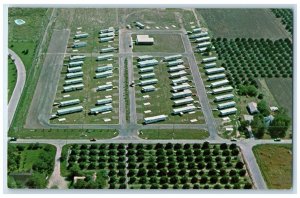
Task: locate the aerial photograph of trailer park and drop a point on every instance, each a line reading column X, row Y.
column 150, row 98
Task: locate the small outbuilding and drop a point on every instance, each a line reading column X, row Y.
column 252, row 107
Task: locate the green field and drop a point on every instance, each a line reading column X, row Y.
column 173, row 134
column 12, row 77
column 162, row 43
column 243, row 23
column 163, row 93
column 157, row 166
column 275, row 162
column 29, row 165
column 282, row 90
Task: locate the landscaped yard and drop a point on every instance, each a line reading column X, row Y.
column 157, row 166
column 173, row 134
column 275, row 162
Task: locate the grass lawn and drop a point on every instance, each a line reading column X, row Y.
column 162, row 43
column 12, row 77
column 233, row 23
column 160, row 99
column 173, row 134
column 64, row 134
column 275, row 162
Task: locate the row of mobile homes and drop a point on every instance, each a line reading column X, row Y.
column 149, row 120
column 101, row 109
column 69, row 110
column 69, row 102
column 181, row 94
column 184, row 109
column 172, row 58
column 74, row 75
column 104, row 101
column 73, row 81
column 104, row 74
column 73, row 87
column 104, row 68
column 105, row 57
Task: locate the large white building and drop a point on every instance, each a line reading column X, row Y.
column 144, row 40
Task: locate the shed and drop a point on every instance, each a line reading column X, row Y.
column 252, row 107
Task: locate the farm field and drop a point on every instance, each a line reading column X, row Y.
column 243, row 23
column 138, row 166
column 282, row 90
column 162, row 43
column 279, row 157
column 12, row 77
column 165, row 134
column 29, row 164
column 163, row 93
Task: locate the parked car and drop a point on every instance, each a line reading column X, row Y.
column 93, row 140
column 277, row 139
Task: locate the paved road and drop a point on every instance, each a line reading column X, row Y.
column 21, row 78
column 42, row 101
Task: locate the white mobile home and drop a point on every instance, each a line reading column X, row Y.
column 104, row 74
column 182, row 94
column 204, row 44
column 104, row 87
column 216, row 77
column 79, row 44
column 210, row 65
column 146, row 69
column 224, row 97
column 74, row 75
column 104, row 68
column 209, row 59
column 105, row 57
column 214, row 70
column 154, row 119
column 74, row 69
column 176, row 62
column 101, row 109
column 147, row 76
column 228, row 111
column 226, row 105
column 108, row 34
column 77, row 58
column 176, row 68
column 104, row 101
column 144, row 57
column 181, row 87
column 147, row 63
column 198, row 35
column 183, row 101
column 219, row 83
column 106, row 39
column 69, row 110
column 199, row 40
column 184, row 109
column 173, row 57
column 178, row 74
column 180, row 80
column 148, row 88
column 222, row 90
column 140, row 25
column 73, row 87
column 75, row 63
column 110, row 29
column 148, row 82
column 81, row 35
column 69, row 102
column 107, row 49
column 197, row 30
column 73, row 81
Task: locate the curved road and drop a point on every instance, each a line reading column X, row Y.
column 21, row 78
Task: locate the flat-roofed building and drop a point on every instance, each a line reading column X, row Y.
column 101, row 109
column 181, row 87
column 105, row 57
column 176, row 68
column 69, row 110
column 181, row 94
column 74, row 75
column 216, row 77
column 104, row 101
column 183, row 101
column 69, row 102
column 219, row 83
column 144, row 40
column 178, row 74
column 73, row 87
column 173, row 57
column 148, row 82
column 148, row 88
column 104, row 68
column 185, row 109
column 180, row 80
column 176, row 62
column 209, row 59
column 226, row 105
column 154, row 119
column 224, row 97
column 147, row 63
column 222, row 90
column 215, row 70
column 104, row 74
column 229, row 111
column 144, row 57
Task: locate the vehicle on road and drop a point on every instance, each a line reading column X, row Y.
column 277, row 140
column 233, row 139
column 13, row 139
column 93, row 140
